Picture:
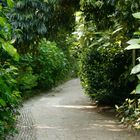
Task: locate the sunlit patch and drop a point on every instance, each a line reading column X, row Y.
column 45, row 127
column 51, row 128
column 107, row 126
column 115, row 130
column 74, row 106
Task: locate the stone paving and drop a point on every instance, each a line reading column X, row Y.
column 67, row 114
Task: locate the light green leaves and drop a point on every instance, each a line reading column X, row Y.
column 133, row 41
column 2, row 21
column 135, row 69
column 133, row 47
column 5, row 35
column 138, row 89
column 10, row 3
column 10, row 50
column 0, row 7
column 134, row 44
column 136, row 15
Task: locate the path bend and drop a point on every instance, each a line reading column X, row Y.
column 67, row 114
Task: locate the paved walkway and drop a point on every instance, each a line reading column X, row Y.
column 66, row 114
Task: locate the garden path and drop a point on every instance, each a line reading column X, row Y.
column 67, row 114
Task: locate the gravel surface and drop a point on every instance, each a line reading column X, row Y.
column 67, row 114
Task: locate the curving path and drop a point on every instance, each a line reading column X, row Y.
column 66, row 114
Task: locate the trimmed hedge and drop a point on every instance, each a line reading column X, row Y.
column 105, row 72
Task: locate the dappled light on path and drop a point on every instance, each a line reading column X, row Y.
column 67, row 114
column 74, row 106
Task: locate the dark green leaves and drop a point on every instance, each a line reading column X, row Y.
column 32, row 17
column 2, row 103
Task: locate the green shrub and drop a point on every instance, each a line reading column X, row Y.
column 129, row 111
column 9, row 99
column 27, row 80
column 42, row 70
column 104, row 71
column 50, row 64
column 128, row 114
column 9, row 94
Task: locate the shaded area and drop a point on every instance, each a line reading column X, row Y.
column 25, row 126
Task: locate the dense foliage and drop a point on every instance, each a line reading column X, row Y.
column 9, row 94
column 129, row 111
column 44, row 70
column 42, row 64
column 102, row 35
column 41, row 31
column 35, row 19
column 51, row 64
column 102, row 73
column 30, row 20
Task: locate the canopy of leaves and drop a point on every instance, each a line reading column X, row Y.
column 34, row 19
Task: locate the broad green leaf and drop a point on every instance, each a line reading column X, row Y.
column 93, row 44
column 10, row 3
column 13, row 41
column 133, row 41
column 137, row 33
column 2, row 21
column 117, row 30
column 0, row 7
column 133, row 47
column 116, row 106
column 136, row 15
column 98, row 33
column 138, row 89
column 2, row 102
column 138, row 76
column 135, row 69
column 11, row 50
column 133, row 92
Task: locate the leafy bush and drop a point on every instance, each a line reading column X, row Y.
column 26, row 79
column 9, row 94
column 9, row 99
column 42, row 70
column 129, row 111
column 50, row 64
column 128, row 114
column 104, row 70
column 102, row 36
